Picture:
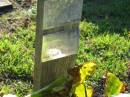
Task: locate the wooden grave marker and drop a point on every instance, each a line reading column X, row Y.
column 57, row 39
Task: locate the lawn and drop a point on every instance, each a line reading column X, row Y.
column 104, row 39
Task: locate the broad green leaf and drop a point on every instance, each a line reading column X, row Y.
column 113, row 85
column 50, row 88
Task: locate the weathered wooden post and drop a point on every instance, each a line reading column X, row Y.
column 57, row 39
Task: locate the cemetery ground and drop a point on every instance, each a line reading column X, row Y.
column 104, row 39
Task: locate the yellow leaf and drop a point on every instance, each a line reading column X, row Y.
column 86, row 70
column 80, row 73
column 80, row 91
column 89, row 91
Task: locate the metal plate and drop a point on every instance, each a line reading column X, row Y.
column 58, row 12
column 60, row 44
column 60, row 15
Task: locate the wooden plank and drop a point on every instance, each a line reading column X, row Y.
column 55, row 68
column 38, row 46
column 5, row 6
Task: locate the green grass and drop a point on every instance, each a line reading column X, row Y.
column 110, row 15
column 105, row 36
column 17, row 61
column 105, row 39
column 17, row 57
column 17, row 53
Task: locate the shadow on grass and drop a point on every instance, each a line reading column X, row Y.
column 110, row 15
column 106, row 35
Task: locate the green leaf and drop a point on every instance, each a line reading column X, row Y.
column 113, row 85
column 50, row 88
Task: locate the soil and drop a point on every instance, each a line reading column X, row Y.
column 12, row 19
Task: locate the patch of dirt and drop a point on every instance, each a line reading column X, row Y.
column 99, row 88
column 10, row 24
column 19, row 4
column 19, row 17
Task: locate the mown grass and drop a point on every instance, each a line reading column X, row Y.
column 105, row 39
column 17, row 62
column 17, row 53
column 105, row 36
